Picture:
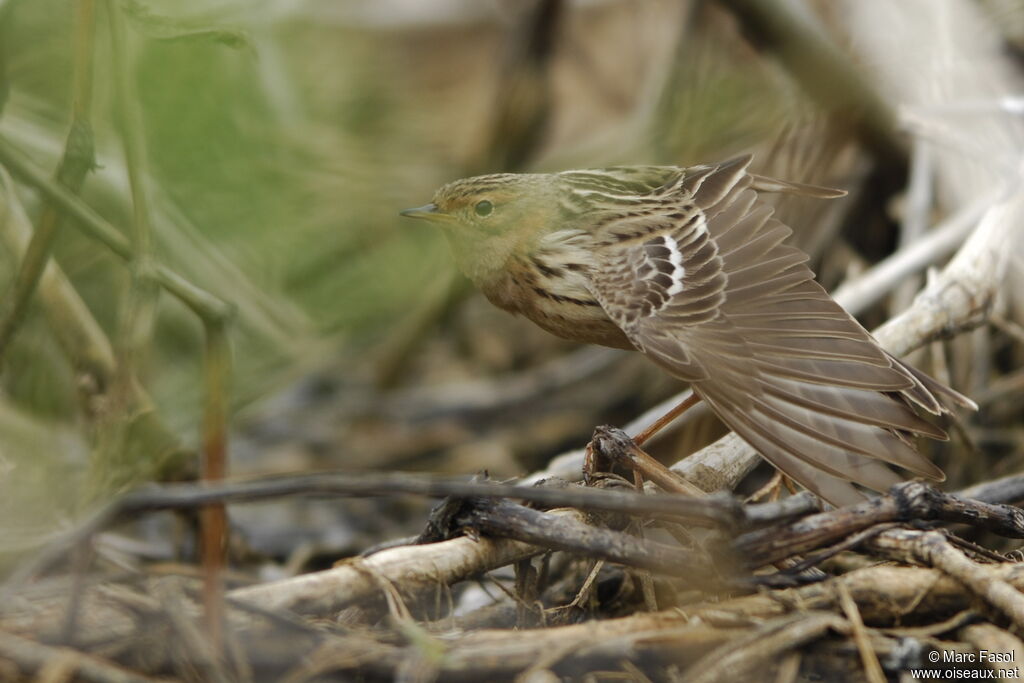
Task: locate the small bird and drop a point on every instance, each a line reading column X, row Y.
column 689, row 267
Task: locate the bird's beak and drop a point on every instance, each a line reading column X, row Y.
column 428, row 212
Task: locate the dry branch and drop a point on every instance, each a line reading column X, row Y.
column 546, row 530
column 911, row 501
column 759, row 649
column 934, row 548
column 415, row 569
column 860, row 635
column 882, row 594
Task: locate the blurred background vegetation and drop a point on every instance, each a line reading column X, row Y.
column 281, row 139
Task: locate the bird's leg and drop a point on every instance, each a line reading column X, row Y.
column 665, row 419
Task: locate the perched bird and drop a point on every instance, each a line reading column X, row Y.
column 689, row 267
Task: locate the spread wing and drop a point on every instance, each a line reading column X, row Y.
column 699, row 279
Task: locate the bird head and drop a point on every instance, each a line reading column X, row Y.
column 489, row 219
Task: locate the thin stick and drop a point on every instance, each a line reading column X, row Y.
column 859, row 294
column 714, row 511
column 932, row 547
column 872, row 669
column 217, row 370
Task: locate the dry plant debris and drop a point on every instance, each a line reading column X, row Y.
column 544, row 578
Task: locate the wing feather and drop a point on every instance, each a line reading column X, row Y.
column 709, row 291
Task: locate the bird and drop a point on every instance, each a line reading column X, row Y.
column 690, row 267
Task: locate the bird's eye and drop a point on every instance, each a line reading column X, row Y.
column 483, row 208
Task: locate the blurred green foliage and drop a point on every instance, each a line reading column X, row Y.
column 282, row 140
column 254, row 188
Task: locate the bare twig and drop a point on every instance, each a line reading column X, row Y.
column 666, row 419
column 933, row 548
column 568, row 465
column 909, row 501
column 755, row 651
column 549, row 531
column 713, row 510
column 416, row 569
column 1006, row 490
column 961, row 295
column 217, row 372
column 872, row 668
column 860, row 293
